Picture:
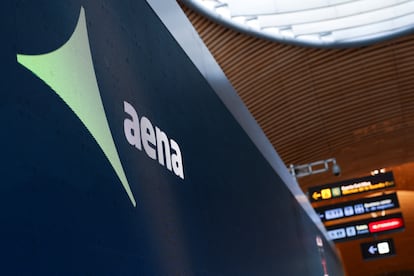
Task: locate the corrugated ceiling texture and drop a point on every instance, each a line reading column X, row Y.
column 356, row 105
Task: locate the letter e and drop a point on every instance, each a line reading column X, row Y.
column 148, row 137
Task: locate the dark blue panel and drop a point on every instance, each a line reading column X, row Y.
column 63, row 208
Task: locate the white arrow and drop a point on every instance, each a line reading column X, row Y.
column 372, row 249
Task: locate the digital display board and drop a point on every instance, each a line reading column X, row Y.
column 378, row 249
column 351, row 187
column 365, row 228
column 358, row 207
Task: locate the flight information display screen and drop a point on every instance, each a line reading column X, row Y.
column 358, row 207
column 365, row 228
column 351, row 187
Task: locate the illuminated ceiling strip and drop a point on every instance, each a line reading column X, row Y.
column 319, row 23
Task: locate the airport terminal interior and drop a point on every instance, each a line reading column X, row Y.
column 207, row 137
column 328, row 79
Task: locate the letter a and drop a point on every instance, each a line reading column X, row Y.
column 131, row 127
column 176, row 159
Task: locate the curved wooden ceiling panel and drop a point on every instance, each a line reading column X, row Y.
column 356, row 105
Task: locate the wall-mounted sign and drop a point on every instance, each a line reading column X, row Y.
column 377, row 249
column 352, row 186
column 385, row 225
column 365, row 228
column 358, row 207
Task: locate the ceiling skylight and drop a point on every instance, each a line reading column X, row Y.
column 316, row 22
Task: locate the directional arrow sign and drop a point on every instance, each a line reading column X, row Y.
column 372, row 249
column 316, row 195
column 351, row 187
column 378, row 249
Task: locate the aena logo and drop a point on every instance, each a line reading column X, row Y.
column 70, row 73
column 155, row 142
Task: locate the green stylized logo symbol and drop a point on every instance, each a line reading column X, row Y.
column 70, row 73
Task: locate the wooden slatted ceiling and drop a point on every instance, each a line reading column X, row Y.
column 356, row 105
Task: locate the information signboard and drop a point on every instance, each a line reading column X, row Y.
column 378, row 249
column 365, row 228
column 351, row 187
column 358, row 207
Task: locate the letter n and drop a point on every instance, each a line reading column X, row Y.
column 163, row 148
